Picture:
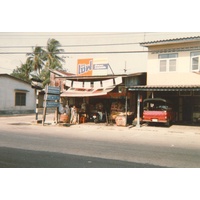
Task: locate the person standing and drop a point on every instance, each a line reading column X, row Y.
column 74, row 115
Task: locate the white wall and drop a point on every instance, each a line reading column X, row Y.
column 7, row 95
column 182, row 76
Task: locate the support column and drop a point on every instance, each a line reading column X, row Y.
column 138, row 110
column 126, row 105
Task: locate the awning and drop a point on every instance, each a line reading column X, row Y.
column 75, row 92
column 89, row 89
column 165, row 88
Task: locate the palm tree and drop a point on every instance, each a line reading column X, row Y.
column 37, row 58
column 53, row 49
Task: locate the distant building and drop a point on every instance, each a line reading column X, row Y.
column 16, row 96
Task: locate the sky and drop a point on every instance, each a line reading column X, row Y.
column 15, row 45
column 92, row 26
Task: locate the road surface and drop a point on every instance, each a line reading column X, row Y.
column 23, row 144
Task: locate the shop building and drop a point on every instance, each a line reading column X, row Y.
column 173, row 73
column 106, row 95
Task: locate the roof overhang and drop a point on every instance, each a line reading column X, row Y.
column 171, row 41
column 21, row 90
column 164, row 88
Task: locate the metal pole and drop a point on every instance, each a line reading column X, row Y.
column 126, row 108
column 37, row 104
column 138, row 111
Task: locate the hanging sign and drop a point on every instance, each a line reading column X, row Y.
column 92, row 67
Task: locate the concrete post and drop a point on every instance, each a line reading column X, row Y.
column 138, row 110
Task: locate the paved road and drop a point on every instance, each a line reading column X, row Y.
column 20, row 158
column 23, row 144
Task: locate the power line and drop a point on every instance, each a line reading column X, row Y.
column 112, row 52
column 76, row 45
column 91, row 52
column 75, row 34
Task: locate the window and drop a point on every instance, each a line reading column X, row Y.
column 20, row 99
column 195, row 61
column 168, row 62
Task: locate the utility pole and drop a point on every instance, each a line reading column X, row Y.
column 138, row 110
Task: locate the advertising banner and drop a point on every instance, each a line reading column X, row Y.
column 85, row 67
column 92, row 67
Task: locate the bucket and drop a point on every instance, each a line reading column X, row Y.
column 64, row 118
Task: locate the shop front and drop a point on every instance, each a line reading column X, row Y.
column 98, row 99
column 185, row 100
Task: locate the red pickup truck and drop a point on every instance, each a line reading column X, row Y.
column 158, row 110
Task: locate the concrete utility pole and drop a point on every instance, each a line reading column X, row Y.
column 138, row 110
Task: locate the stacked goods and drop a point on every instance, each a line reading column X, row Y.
column 120, row 120
column 99, row 106
column 117, row 108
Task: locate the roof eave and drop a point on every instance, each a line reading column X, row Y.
column 170, row 41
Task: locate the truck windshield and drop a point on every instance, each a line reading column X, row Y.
column 156, row 104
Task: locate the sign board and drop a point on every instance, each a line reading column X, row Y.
column 51, row 104
column 51, row 100
column 52, row 90
column 49, row 97
column 92, row 67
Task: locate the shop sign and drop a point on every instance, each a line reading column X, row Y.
column 92, row 67
column 85, row 67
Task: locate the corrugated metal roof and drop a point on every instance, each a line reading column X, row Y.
column 175, row 40
column 165, row 88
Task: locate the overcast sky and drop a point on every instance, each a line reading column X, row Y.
column 17, row 44
column 92, row 26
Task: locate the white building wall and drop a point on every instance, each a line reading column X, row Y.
column 182, row 76
column 8, row 87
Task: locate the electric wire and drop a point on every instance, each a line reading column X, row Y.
column 88, row 52
column 76, row 45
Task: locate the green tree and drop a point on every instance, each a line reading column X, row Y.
column 37, row 58
column 23, row 71
column 53, row 61
column 41, row 60
column 53, row 49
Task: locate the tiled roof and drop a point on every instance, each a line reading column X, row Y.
column 184, row 39
column 165, row 88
